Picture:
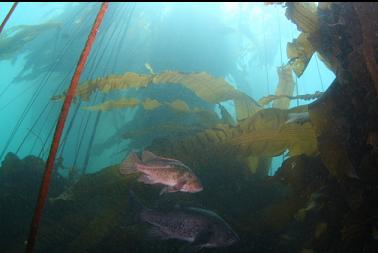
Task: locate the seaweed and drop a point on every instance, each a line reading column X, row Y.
column 300, row 52
column 264, row 134
column 304, row 15
column 285, row 87
column 13, row 40
column 266, row 100
column 208, row 88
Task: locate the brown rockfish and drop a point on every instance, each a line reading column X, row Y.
column 201, row 227
column 175, row 175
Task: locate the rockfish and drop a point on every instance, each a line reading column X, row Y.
column 202, row 228
column 175, row 175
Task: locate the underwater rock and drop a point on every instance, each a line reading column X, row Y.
column 19, row 181
column 344, row 118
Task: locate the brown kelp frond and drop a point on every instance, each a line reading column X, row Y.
column 267, row 133
column 148, row 104
column 304, row 15
column 285, row 87
column 208, row 88
column 266, row 100
column 108, row 105
column 300, row 52
column 264, row 134
column 13, row 39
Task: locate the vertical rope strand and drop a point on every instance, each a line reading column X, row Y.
column 320, row 76
column 59, row 129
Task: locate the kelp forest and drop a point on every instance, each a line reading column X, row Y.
column 220, row 87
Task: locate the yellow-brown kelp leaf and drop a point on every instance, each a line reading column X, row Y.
column 259, row 135
column 265, row 134
column 245, row 107
column 109, row 105
column 300, row 52
column 151, row 104
column 266, row 100
column 285, row 87
column 148, row 104
column 211, row 89
column 304, row 15
column 179, row 105
column 268, row 134
column 113, row 82
column 301, row 139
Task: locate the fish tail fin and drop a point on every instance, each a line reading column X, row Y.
column 129, row 166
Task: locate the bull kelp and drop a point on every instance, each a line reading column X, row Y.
column 195, row 127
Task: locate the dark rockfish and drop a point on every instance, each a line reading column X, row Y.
column 175, row 175
column 202, row 228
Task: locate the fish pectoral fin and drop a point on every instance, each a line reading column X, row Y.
column 169, row 189
column 200, row 240
column 145, row 179
column 175, row 188
column 202, row 237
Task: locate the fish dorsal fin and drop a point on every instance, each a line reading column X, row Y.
column 148, row 156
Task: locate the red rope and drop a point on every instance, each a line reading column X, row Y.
column 59, row 129
column 8, row 16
